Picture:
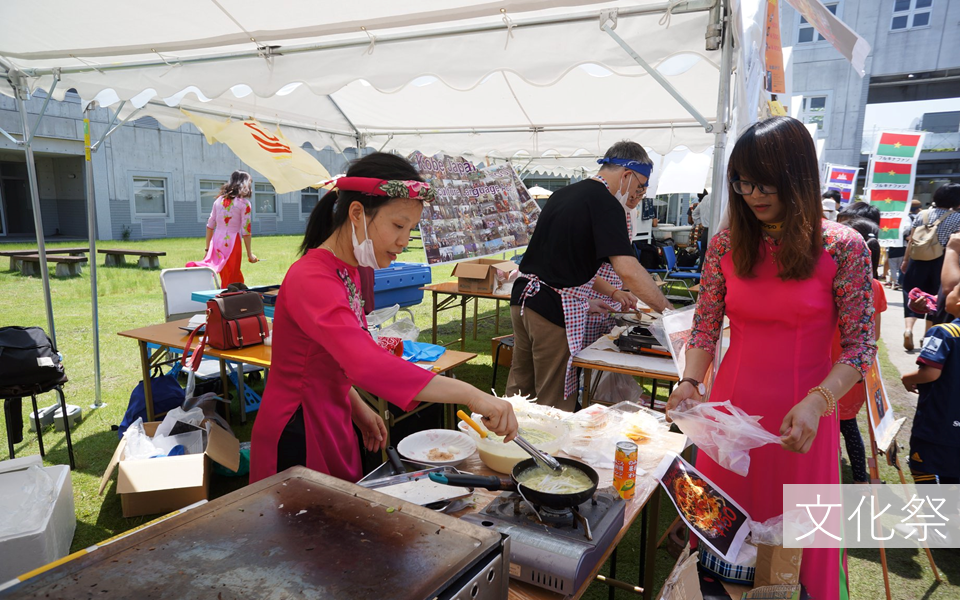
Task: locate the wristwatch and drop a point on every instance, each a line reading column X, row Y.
column 701, row 389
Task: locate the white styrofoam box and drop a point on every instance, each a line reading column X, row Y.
column 50, row 538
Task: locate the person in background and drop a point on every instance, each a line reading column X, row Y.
column 859, row 209
column 935, row 436
column 785, row 277
column 702, row 214
column 580, row 228
column 830, row 203
column 891, row 271
column 852, row 401
column 229, row 222
column 925, row 274
column 321, row 346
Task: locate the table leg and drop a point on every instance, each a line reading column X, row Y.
column 225, row 387
column 145, row 372
column 384, row 411
column 241, row 393
column 497, row 319
column 476, row 301
column 587, row 376
column 463, row 323
column 612, row 591
column 434, row 317
column 653, row 505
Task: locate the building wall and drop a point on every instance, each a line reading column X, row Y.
column 819, row 68
column 181, row 158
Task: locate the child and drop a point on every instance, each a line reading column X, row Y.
column 850, row 404
column 935, row 441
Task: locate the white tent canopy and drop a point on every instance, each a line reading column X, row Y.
column 477, row 78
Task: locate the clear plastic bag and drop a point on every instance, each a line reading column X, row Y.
column 380, row 316
column 617, row 387
column 139, row 445
column 193, row 417
column 26, row 511
column 769, row 532
column 727, row 436
column 404, row 328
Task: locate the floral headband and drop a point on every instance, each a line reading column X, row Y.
column 393, row 188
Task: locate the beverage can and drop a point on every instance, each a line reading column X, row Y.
column 625, row 469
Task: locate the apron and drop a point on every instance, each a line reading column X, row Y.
column 576, row 305
column 598, row 325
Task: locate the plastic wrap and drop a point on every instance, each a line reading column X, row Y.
column 727, row 435
column 769, row 532
column 27, row 510
column 595, row 431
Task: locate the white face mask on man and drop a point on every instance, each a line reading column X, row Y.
column 363, row 251
column 623, row 196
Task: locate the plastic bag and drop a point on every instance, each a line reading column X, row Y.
column 404, row 328
column 727, row 436
column 27, row 510
column 617, row 387
column 193, row 417
column 380, row 316
column 208, row 404
column 769, row 532
column 139, row 444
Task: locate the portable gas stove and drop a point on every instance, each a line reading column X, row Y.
column 640, row 340
column 552, row 549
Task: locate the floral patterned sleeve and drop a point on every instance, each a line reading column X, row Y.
column 245, row 223
column 853, row 295
column 708, row 319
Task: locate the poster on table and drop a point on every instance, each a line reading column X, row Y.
column 476, row 212
column 718, row 521
column 890, row 179
column 878, row 408
column 842, row 179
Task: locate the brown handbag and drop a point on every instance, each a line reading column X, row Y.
column 234, row 320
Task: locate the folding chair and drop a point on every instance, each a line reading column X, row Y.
column 673, row 274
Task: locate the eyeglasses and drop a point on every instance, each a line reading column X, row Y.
column 745, row 188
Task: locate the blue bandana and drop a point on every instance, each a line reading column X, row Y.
column 638, row 167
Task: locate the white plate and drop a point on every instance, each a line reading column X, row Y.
column 417, row 446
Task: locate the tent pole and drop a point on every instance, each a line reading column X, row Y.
column 719, row 182
column 17, row 80
column 92, row 239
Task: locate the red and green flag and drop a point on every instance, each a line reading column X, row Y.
column 898, row 144
column 890, row 200
column 892, row 172
column 890, row 228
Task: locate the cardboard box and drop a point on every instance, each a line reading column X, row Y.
column 162, row 485
column 47, row 539
column 482, row 275
column 777, row 565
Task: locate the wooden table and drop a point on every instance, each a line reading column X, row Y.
column 451, row 293
column 648, row 503
column 169, row 336
column 655, row 368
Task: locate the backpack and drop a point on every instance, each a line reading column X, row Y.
column 924, row 241
column 29, row 362
column 167, row 395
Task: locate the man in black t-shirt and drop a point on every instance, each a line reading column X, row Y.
column 582, row 226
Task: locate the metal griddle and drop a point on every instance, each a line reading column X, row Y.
column 256, row 543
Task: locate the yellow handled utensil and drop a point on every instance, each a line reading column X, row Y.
column 476, row 426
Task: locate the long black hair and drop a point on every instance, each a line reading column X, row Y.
column 333, row 209
column 870, row 232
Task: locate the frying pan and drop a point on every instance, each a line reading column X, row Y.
column 543, row 499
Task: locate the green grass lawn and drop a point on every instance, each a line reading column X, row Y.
column 130, row 297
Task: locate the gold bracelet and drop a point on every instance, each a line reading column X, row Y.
column 828, row 396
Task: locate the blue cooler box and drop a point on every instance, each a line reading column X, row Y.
column 400, row 283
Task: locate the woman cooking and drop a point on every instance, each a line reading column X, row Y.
column 784, row 276
column 320, row 344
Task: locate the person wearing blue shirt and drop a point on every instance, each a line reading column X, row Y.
column 935, row 439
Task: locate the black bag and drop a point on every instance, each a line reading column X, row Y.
column 29, row 362
column 648, row 255
column 688, row 257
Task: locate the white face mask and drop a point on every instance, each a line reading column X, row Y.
column 622, row 197
column 363, row 251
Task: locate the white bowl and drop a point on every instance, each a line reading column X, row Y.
column 417, row 446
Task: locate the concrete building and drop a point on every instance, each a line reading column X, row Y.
column 150, row 182
column 915, row 56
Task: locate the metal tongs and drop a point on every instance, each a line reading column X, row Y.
column 539, row 456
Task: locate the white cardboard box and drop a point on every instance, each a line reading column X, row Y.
column 50, row 539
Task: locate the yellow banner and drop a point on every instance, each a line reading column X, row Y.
column 288, row 167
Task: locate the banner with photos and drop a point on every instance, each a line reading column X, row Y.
column 890, row 180
column 476, row 212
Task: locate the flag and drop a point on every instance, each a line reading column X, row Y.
column 890, row 200
column 890, row 228
column 891, row 172
column 842, row 175
column 288, row 167
column 898, row 144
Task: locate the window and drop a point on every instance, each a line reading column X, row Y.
column 308, row 199
column 209, row 191
column 908, row 14
column 814, row 110
column 806, row 34
column 150, row 196
column 264, row 199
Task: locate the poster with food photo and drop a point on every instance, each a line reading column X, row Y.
column 718, row 521
column 477, row 212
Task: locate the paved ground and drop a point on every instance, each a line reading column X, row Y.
column 891, row 331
